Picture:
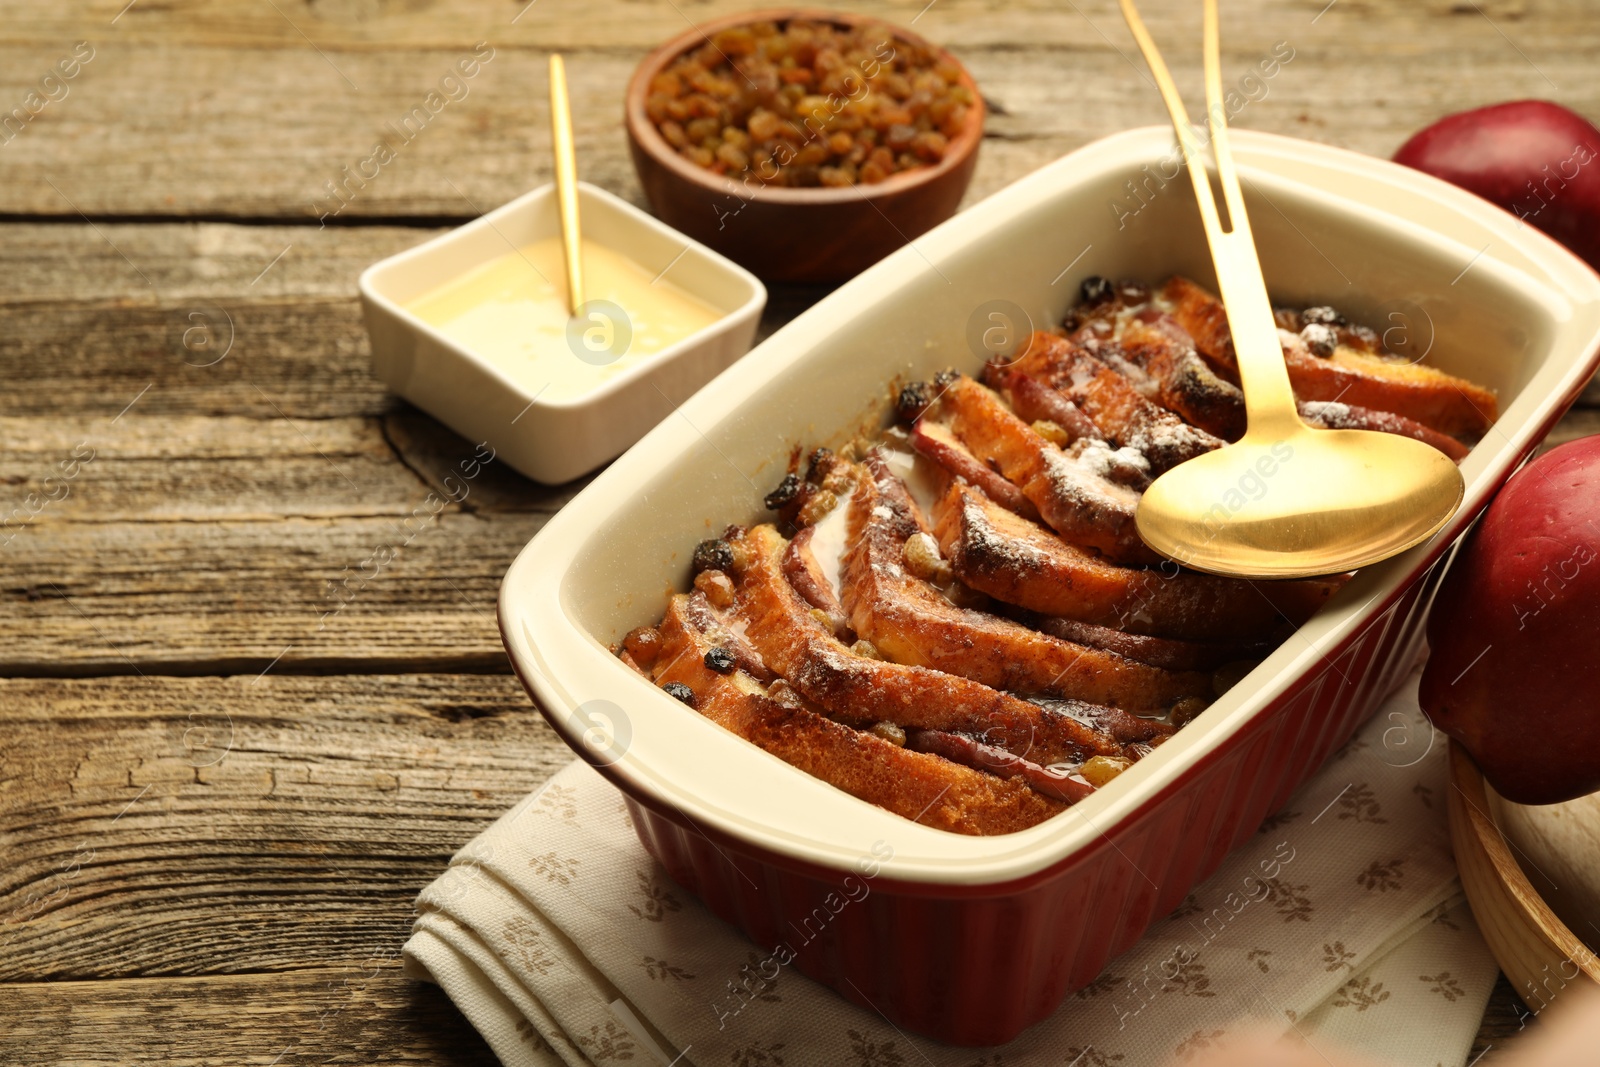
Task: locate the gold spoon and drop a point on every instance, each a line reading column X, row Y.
column 1285, row 500
column 566, row 182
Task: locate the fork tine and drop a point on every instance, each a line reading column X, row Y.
column 1192, row 152
column 1217, row 118
column 1269, row 402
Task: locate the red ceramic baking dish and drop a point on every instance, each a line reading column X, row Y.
column 965, row 939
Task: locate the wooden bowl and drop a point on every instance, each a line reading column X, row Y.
column 1537, row 951
column 786, row 234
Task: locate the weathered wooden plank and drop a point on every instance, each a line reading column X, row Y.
column 153, row 127
column 142, row 468
column 198, row 318
column 221, row 825
column 362, row 1012
column 380, row 594
column 358, row 25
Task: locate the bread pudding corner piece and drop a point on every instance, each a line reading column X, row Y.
column 1351, row 369
column 920, row 786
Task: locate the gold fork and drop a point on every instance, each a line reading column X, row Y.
column 1333, row 500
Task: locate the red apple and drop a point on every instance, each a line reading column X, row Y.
column 1515, row 671
column 1536, row 159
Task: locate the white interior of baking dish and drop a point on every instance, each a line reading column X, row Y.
column 1509, row 309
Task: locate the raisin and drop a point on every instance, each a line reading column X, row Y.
column 787, row 490
column 913, row 400
column 890, row 732
column 716, row 587
column 1097, row 290
column 713, row 555
column 679, row 691
column 721, row 660
column 817, row 464
column 813, row 510
column 1320, row 339
column 1323, row 316
column 921, row 555
column 1099, row 770
column 1186, row 709
column 945, row 378
column 1052, row 432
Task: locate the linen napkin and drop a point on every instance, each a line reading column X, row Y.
column 562, row 942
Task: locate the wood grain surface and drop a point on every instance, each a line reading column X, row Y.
column 225, row 769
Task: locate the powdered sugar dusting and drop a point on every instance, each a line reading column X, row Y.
column 1330, row 412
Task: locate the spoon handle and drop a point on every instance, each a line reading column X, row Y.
column 566, row 182
column 1269, row 402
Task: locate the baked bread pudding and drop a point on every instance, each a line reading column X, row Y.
column 955, row 618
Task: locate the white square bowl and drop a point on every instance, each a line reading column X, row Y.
column 761, row 841
column 553, row 441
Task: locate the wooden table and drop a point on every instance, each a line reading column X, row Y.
column 219, row 795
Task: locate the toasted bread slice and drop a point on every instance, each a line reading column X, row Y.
column 911, row 621
column 1060, row 784
column 1168, row 652
column 1177, row 377
column 920, row 786
column 1331, row 415
column 940, row 445
column 1034, row 401
column 1076, row 500
column 1124, row 416
column 1179, row 380
column 805, row 574
column 1021, row 563
column 1452, row 406
column 865, row 690
column 707, row 620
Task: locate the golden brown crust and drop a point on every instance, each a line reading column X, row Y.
column 861, row 689
column 1340, row 416
column 698, row 612
column 1016, row 561
column 805, row 574
column 1168, row 652
column 1125, row 418
column 1033, row 400
column 918, row 786
column 912, row 622
column 1424, row 394
column 1085, row 507
column 938, row 444
column 1180, row 380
